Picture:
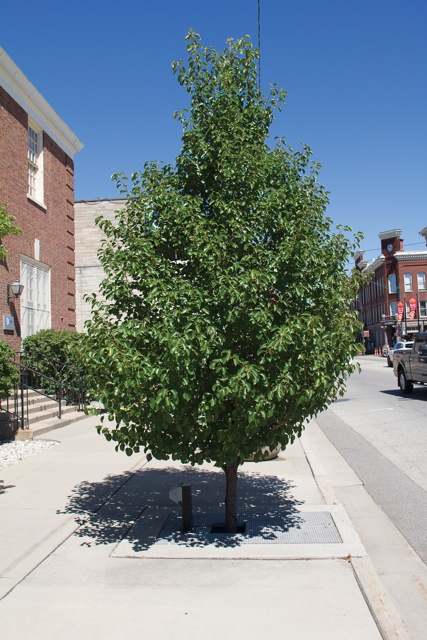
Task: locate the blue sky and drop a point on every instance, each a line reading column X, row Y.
column 355, row 73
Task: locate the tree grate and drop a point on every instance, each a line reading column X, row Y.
column 296, row 528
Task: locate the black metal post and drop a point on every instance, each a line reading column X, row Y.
column 187, row 509
column 21, row 384
column 60, row 400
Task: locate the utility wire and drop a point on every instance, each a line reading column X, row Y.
column 406, row 245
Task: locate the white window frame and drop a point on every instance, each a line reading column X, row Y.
column 36, row 297
column 407, row 282
column 421, row 281
column 392, row 286
column 35, row 163
column 423, row 308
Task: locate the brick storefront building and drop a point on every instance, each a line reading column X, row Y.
column 37, row 187
column 393, row 305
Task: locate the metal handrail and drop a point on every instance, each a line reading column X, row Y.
column 70, row 385
column 72, row 378
column 57, row 397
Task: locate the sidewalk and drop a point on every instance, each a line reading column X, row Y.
column 91, row 549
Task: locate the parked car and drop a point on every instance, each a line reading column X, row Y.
column 411, row 367
column 398, row 347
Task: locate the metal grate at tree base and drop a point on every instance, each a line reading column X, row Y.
column 297, row 528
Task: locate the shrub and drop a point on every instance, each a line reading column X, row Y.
column 50, row 350
column 58, row 355
column 9, row 373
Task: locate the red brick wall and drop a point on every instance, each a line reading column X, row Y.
column 53, row 227
column 414, row 267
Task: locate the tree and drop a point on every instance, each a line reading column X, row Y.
column 7, row 228
column 224, row 318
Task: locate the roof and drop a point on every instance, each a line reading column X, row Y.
column 372, row 266
column 411, row 255
column 26, row 95
column 393, row 233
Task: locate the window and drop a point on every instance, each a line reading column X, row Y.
column 421, row 279
column 393, row 308
column 35, row 299
column 407, row 279
column 419, row 343
column 423, row 308
column 392, row 283
column 35, row 163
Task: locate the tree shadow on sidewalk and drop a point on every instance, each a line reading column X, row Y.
column 5, row 487
column 108, row 511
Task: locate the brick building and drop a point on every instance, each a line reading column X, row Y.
column 37, row 187
column 393, row 305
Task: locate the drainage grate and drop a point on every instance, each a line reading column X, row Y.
column 297, row 528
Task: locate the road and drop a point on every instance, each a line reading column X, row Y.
column 383, row 436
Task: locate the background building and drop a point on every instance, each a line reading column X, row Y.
column 37, row 187
column 393, row 305
column 89, row 272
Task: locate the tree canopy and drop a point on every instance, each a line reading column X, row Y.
column 7, row 228
column 224, row 319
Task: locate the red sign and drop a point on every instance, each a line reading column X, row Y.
column 412, row 308
column 400, row 308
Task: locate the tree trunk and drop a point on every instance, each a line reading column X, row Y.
column 231, row 497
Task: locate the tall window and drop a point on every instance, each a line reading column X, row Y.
column 423, row 308
column 35, row 299
column 393, row 308
column 392, row 283
column 35, row 163
column 421, row 278
column 407, row 279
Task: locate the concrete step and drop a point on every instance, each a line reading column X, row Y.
column 40, row 407
column 45, row 413
column 50, row 424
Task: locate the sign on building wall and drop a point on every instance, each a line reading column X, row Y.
column 412, row 308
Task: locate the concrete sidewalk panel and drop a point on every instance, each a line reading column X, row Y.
column 161, row 599
column 149, row 538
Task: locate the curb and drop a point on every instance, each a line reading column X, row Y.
column 384, row 612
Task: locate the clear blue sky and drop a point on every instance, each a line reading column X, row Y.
column 355, row 72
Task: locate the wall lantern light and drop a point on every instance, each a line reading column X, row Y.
column 14, row 290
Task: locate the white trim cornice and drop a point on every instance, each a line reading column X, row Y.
column 26, row 95
column 372, row 266
column 393, row 233
column 410, row 255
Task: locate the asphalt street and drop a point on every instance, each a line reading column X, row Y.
column 382, row 434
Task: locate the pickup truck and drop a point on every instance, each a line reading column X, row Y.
column 411, row 367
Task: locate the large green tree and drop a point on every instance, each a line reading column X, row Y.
column 223, row 322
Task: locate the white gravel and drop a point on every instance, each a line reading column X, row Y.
column 13, row 451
